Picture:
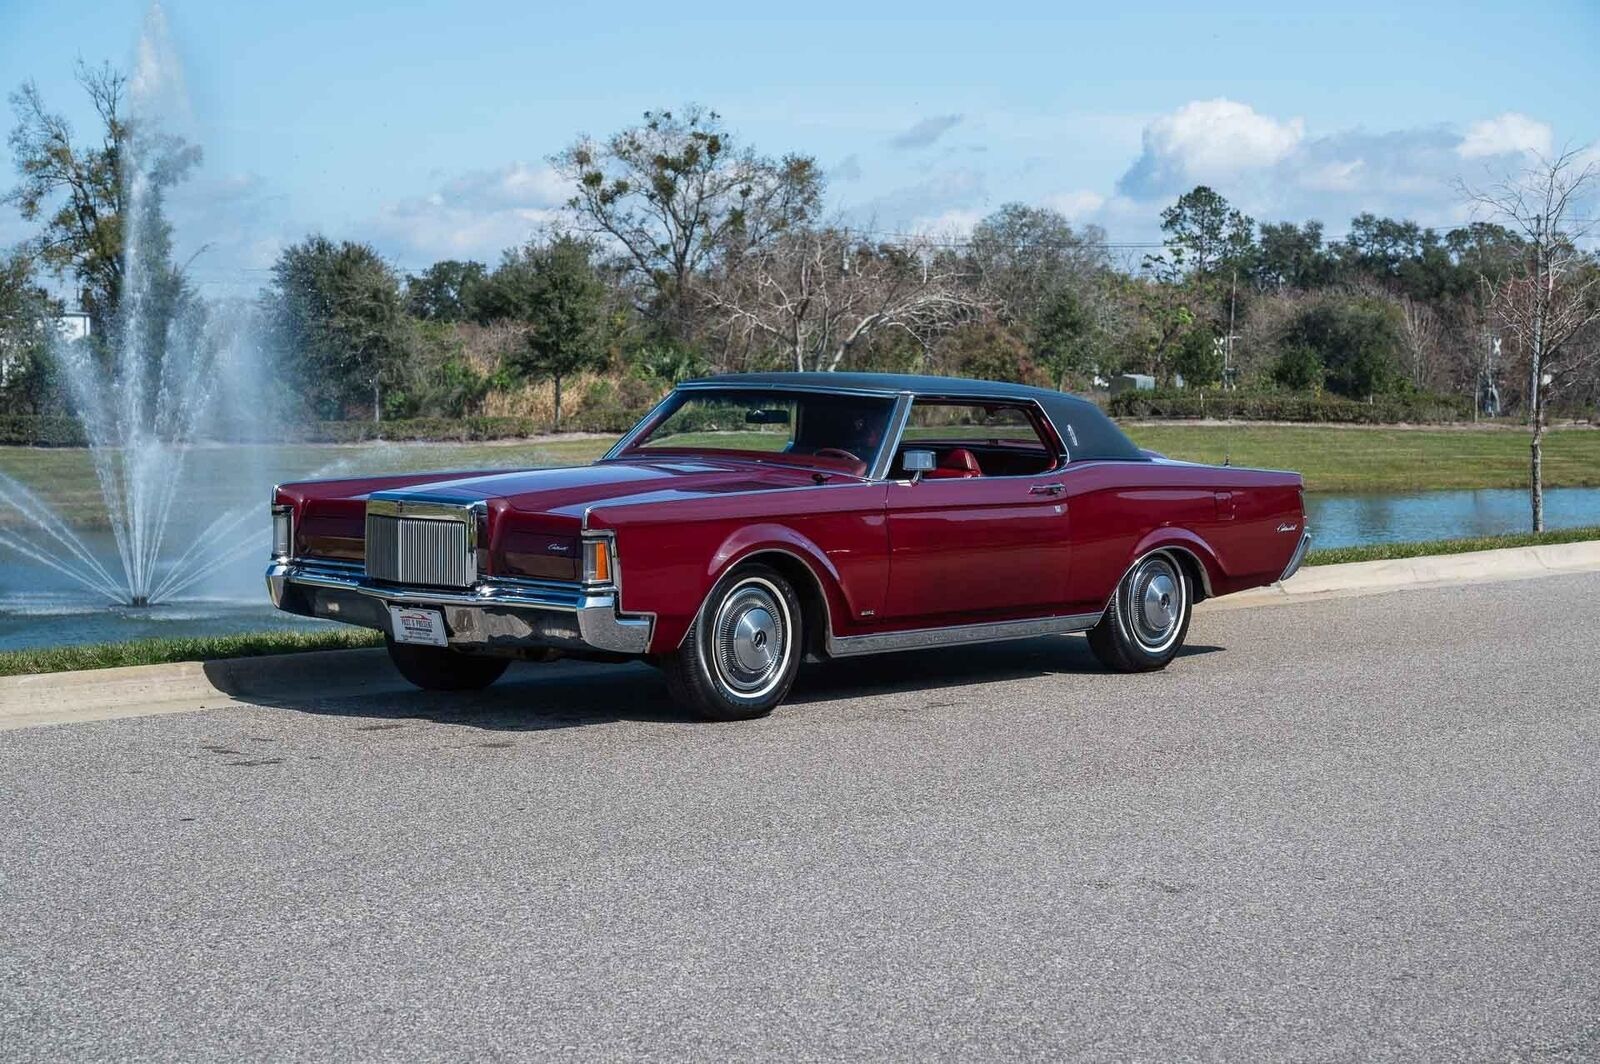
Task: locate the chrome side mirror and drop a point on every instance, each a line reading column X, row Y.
column 917, row 463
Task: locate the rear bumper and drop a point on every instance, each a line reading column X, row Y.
column 494, row 614
column 1297, row 557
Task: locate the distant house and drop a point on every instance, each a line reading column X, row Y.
column 73, row 325
column 1132, row 382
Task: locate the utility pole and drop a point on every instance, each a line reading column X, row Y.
column 1227, row 350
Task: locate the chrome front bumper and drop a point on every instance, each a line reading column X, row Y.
column 495, row 614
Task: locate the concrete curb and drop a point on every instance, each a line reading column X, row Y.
column 148, row 690
column 1433, row 570
column 184, row 687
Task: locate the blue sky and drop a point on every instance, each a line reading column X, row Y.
column 425, row 127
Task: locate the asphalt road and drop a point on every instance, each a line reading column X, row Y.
column 1353, row 829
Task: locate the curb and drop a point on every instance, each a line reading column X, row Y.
column 1432, row 570
column 185, row 687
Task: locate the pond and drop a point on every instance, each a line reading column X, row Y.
column 1356, row 519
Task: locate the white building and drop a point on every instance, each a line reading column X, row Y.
column 73, row 325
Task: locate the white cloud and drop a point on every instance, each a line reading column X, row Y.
column 1507, row 134
column 1075, row 205
column 475, row 215
column 1206, row 141
column 954, row 224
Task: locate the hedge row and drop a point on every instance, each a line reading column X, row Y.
column 462, row 429
column 1270, row 406
column 27, row 431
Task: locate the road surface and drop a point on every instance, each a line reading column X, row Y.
column 1355, row 829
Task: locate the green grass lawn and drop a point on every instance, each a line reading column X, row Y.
column 1384, row 459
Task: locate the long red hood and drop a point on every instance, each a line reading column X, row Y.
column 528, row 509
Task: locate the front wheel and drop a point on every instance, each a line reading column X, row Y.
column 743, row 650
column 1148, row 617
column 443, row 669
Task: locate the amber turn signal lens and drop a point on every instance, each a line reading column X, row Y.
column 597, row 561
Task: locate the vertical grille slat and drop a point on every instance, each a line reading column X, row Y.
column 432, row 551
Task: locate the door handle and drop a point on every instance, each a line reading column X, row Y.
column 1047, row 489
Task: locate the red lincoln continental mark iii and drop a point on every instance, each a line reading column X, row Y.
column 751, row 521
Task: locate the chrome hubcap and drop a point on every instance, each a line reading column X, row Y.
column 751, row 638
column 1155, row 603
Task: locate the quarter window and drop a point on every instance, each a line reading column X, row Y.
column 978, row 439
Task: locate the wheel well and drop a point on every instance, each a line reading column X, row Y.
column 813, row 604
column 1193, row 569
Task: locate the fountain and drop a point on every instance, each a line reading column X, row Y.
column 146, row 397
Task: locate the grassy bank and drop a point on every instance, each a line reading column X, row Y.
column 1385, row 551
column 1384, row 459
column 166, row 651
column 162, row 651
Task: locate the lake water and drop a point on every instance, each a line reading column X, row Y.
column 40, row 608
column 1408, row 517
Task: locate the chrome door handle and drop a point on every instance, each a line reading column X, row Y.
column 1047, row 489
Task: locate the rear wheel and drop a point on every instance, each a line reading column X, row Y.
column 741, row 655
column 443, row 669
column 1144, row 625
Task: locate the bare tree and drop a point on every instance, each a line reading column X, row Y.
column 1423, row 332
column 814, row 294
column 675, row 196
column 1554, row 294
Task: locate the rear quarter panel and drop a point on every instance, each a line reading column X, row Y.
column 1228, row 518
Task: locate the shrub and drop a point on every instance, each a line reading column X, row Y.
column 1284, row 406
column 27, row 430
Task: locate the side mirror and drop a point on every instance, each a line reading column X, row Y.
column 917, row 463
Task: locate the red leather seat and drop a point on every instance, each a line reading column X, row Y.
column 957, row 462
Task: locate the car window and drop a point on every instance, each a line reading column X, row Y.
column 741, row 423
column 834, row 431
column 977, row 439
column 993, row 422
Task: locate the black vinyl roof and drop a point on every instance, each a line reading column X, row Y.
column 1083, row 426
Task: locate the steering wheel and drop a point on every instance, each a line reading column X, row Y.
column 835, row 452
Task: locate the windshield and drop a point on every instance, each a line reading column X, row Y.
column 818, row 429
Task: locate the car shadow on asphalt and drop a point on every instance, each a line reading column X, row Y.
column 578, row 694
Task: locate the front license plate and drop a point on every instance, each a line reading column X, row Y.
column 418, row 626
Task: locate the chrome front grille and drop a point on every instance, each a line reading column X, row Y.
column 436, row 550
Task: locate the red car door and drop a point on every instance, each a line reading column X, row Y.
column 960, row 549
column 978, row 537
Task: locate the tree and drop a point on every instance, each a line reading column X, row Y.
column 1553, row 294
column 1062, row 329
column 1356, row 340
column 1022, row 257
column 676, row 195
column 445, row 291
column 1206, row 235
column 1198, row 359
column 1164, row 298
column 1292, row 257
column 335, row 311
column 84, row 194
column 555, row 290
column 813, row 295
column 26, row 333
column 1298, row 368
